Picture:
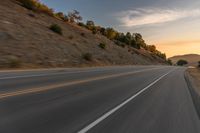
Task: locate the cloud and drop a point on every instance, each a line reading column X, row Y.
column 140, row 17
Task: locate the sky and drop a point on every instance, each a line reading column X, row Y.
column 172, row 25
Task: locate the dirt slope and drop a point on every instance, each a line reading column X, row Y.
column 25, row 39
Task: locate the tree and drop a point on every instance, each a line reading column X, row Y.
column 60, row 15
column 103, row 31
column 128, row 36
column 135, row 44
column 91, row 26
column 140, row 41
column 151, row 48
column 74, row 16
column 111, row 33
column 181, row 62
column 169, row 62
column 90, row 23
column 121, row 37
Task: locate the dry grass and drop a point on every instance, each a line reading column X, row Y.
column 195, row 73
column 30, row 39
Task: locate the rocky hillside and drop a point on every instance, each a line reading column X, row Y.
column 27, row 41
column 192, row 59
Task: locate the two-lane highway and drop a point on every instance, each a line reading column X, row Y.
column 131, row 99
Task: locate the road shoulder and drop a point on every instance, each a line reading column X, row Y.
column 192, row 77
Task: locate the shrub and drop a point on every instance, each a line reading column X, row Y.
column 60, row 15
column 41, row 8
column 14, row 62
column 169, row 62
column 182, row 62
column 35, row 5
column 87, row 56
column 31, row 15
column 94, row 32
column 83, row 34
column 29, row 4
column 56, row 28
column 102, row 45
column 120, row 44
column 81, row 24
column 70, row 37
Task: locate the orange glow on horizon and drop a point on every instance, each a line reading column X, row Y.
column 180, row 47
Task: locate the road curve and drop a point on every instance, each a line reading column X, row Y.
column 130, row 99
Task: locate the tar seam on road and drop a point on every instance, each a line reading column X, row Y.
column 93, row 124
column 40, row 75
column 45, row 88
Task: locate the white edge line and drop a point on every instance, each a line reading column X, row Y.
column 90, row 126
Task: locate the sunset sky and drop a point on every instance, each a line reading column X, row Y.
column 172, row 25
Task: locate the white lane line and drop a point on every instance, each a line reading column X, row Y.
column 93, row 124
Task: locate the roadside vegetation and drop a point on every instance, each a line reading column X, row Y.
column 13, row 62
column 56, row 28
column 182, row 62
column 169, row 62
column 102, row 45
column 36, row 6
column 87, row 56
column 134, row 40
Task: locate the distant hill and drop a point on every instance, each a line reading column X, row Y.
column 27, row 41
column 191, row 58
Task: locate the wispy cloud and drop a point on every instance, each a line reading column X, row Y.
column 139, row 17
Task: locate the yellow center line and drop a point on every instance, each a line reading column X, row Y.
column 50, row 87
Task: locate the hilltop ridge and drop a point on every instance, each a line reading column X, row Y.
column 192, row 59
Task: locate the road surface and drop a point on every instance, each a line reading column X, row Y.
column 131, row 99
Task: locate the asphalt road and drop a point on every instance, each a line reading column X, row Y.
column 153, row 99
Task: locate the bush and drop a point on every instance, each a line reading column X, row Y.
column 56, row 28
column 14, row 62
column 87, row 56
column 29, row 4
column 94, row 32
column 31, row 15
column 120, row 44
column 60, row 15
column 182, row 62
column 41, row 8
column 83, row 34
column 169, row 62
column 102, row 45
column 70, row 37
column 81, row 24
column 36, row 6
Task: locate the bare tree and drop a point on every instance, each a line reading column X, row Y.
column 74, row 16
